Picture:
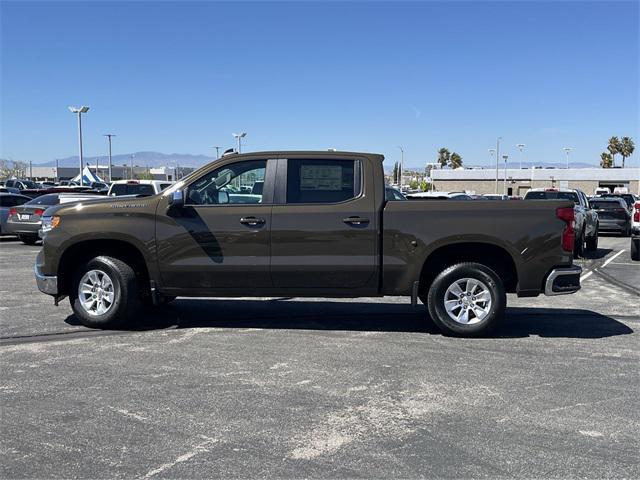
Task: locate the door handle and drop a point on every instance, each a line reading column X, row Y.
column 253, row 221
column 356, row 220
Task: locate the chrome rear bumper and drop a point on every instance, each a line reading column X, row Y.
column 46, row 283
column 562, row 281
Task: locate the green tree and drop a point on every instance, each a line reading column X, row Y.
column 425, row 186
column 144, row 176
column 444, row 156
column 413, row 185
column 395, row 173
column 606, row 160
column 455, row 161
column 614, row 147
column 626, row 148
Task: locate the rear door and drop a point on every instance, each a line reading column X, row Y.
column 323, row 224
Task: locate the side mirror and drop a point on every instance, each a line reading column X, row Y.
column 176, row 199
column 223, row 197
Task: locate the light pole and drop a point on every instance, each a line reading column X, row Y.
column 497, row 161
column 401, row 167
column 131, row 160
column 567, row 150
column 217, row 151
column 239, row 137
column 79, row 111
column 109, row 135
column 505, row 158
column 520, row 147
column 57, row 175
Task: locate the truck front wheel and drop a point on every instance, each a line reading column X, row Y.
column 467, row 300
column 104, row 293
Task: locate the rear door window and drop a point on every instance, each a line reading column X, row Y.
column 322, row 181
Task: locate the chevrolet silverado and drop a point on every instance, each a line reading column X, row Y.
column 303, row 224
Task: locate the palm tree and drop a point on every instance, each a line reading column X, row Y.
column 614, row 147
column 455, row 161
column 444, row 157
column 606, row 160
column 626, row 148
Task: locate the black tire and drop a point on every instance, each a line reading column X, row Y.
column 592, row 242
column 635, row 248
column 438, row 294
column 126, row 300
column 28, row 239
column 578, row 249
column 627, row 231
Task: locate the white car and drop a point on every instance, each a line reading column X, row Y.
column 495, row 196
column 438, row 196
column 137, row 187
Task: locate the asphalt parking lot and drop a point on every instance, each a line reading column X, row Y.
column 323, row 388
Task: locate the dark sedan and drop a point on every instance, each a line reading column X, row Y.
column 25, row 220
column 7, row 202
column 613, row 214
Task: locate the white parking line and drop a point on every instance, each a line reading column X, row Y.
column 585, row 276
column 611, row 259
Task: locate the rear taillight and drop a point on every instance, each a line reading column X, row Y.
column 636, row 212
column 38, row 211
column 567, row 215
column 12, row 212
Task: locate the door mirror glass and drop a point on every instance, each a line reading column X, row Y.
column 223, row 197
column 176, row 199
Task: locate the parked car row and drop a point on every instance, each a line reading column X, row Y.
column 22, row 209
column 21, row 215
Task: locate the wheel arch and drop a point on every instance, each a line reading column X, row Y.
column 492, row 255
column 79, row 252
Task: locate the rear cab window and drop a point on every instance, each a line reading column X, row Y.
column 119, row 189
column 553, row 196
column 606, row 204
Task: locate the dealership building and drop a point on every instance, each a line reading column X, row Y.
column 119, row 172
column 517, row 181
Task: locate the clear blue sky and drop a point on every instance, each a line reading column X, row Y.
column 182, row 76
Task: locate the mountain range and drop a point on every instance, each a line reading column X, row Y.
column 158, row 159
column 143, row 159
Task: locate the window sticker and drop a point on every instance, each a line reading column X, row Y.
column 321, row 177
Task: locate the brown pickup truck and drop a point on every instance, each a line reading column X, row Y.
column 304, row 224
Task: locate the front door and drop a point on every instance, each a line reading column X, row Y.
column 219, row 238
column 323, row 224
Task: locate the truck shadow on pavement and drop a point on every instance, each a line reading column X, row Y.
column 360, row 316
column 597, row 254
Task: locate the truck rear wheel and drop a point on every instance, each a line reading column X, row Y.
column 104, row 293
column 467, row 300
